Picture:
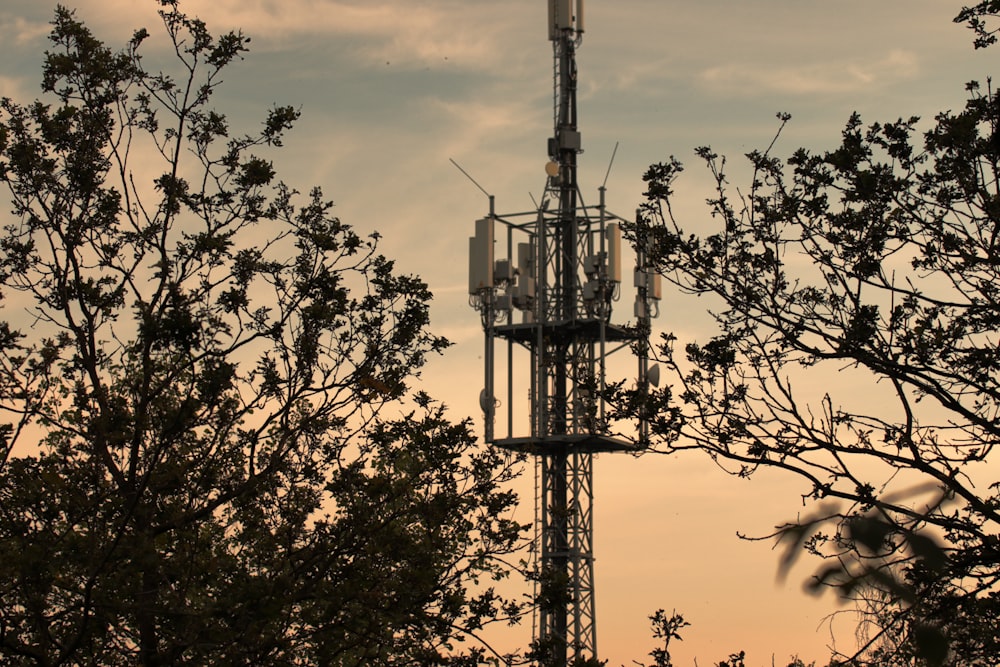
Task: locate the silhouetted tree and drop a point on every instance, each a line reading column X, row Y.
column 981, row 18
column 667, row 629
column 195, row 363
column 879, row 260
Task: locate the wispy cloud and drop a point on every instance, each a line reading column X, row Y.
column 407, row 34
column 19, row 30
column 475, row 123
column 410, row 34
column 810, row 79
column 13, row 88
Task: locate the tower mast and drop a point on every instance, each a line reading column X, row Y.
column 560, row 275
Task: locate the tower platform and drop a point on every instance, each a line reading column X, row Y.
column 580, row 330
column 586, row 443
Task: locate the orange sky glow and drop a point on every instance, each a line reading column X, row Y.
column 391, row 90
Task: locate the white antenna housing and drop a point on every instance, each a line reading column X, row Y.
column 481, row 256
column 614, row 237
column 526, row 259
column 565, row 15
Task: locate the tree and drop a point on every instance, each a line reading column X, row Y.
column 978, row 18
column 196, row 369
column 666, row 629
column 874, row 266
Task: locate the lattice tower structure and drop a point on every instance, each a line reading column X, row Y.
column 561, row 277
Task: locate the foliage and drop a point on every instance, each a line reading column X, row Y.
column 667, row 629
column 735, row 660
column 877, row 260
column 196, row 362
column 978, row 17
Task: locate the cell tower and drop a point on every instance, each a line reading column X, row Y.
column 559, row 275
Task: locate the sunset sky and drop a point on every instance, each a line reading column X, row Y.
column 391, row 89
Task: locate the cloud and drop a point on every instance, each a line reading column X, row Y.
column 413, row 36
column 635, row 75
column 810, row 79
column 388, row 31
column 13, row 88
column 474, row 123
column 19, row 30
column 402, row 32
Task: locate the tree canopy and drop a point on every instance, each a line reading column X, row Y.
column 857, row 297
column 212, row 452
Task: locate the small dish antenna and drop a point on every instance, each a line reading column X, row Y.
column 653, row 375
column 486, row 402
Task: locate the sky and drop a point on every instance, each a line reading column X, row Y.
column 391, row 90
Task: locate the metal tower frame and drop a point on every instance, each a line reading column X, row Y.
column 561, row 275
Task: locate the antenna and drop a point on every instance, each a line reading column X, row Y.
column 482, row 189
column 558, row 269
column 565, row 15
column 610, row 163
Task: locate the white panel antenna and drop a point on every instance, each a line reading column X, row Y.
column 614, row 263
column 654, row 286
column 565, row 15
column 481, row 256
column 525, row 259
column 649, row 280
